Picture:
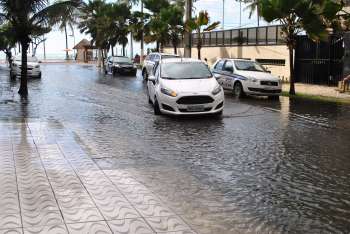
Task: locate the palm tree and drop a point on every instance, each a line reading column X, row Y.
column 31, row 18
column 107, row 23
column 173, row 18
column 311, row 16
column 155, row 30
column 68, row 19
column 252, row 7
column 197, row 24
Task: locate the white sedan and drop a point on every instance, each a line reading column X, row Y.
column 33, row 67
column 184, row 87
column 246, row 77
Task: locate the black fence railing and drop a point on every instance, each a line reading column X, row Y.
column 269, row 35
column 319, row 62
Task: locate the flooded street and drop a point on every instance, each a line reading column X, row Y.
column 263, row 167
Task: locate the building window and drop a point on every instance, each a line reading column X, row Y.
column 274, row 62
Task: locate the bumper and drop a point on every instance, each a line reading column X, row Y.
column 263, row 90
column 122, row 70
column 30, row 72
column 168, row 105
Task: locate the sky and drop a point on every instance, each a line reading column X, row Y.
column 55, row 43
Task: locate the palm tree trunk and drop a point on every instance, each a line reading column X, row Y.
column 175, row 48
column 23, row 89
column 158, row 45
column 291, row 68
column 188, row 35
column 112, row 47
column 65, row 32
column 142, row 36
column 199, row 47
column 123, row 49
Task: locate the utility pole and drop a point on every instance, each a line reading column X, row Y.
column 188, row 35
column 223, row 14
column 240, row 14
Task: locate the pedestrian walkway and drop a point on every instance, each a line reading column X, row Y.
column 48, row 184
column 317, row 90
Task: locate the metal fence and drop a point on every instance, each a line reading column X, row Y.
column 269, row 35
column 319, row 62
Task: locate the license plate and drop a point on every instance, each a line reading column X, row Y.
column 196, row 108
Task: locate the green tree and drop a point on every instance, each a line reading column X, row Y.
column 7, row 41
column 173, row 18
column 30, row 18
column 200, row 24
column 163, row 24
column 314, row 17
column 107, row 23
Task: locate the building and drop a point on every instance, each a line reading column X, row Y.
column 85, row 51
column 262, row 44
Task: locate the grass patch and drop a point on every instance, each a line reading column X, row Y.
column 317, row 98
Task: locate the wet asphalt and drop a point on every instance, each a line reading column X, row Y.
column 263, row 167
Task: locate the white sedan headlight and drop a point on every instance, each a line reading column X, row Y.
column 168, row 92
column 217, row 90
column 252, row 79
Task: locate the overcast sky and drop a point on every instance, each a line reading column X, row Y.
column 55, row 43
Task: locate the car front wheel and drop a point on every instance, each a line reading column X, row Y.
column 156, row 108
column 145, row 75
column 238, row 90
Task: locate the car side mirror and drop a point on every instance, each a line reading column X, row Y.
column 152, row 78
column 217, row 76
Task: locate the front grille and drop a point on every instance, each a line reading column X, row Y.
column 264, row 90
column 269, row 83
column 187, row 111
column 192, row 100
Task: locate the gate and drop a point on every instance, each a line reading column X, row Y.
column 319, row 62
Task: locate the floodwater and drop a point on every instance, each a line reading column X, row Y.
column 263, row 167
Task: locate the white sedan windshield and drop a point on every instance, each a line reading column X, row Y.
column 249, row 66
column 185, row 71
column 121, row 60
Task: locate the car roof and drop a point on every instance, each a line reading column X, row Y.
column 181, row 60
column 116, row 56
column 237, row 59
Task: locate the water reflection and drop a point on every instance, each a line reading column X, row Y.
column 263, row 167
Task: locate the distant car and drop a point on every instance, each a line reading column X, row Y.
column 120, row 65
column 33, row 67
column 246, row 77
column 183, row 86
column 151, row 60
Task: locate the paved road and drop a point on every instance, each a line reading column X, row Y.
column 264, row 167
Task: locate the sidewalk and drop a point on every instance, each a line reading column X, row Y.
column 317, row 90
column 48, row 184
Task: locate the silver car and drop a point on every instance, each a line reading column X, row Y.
column 151, row 60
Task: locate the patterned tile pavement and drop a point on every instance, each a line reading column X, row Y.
column 49, row 184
